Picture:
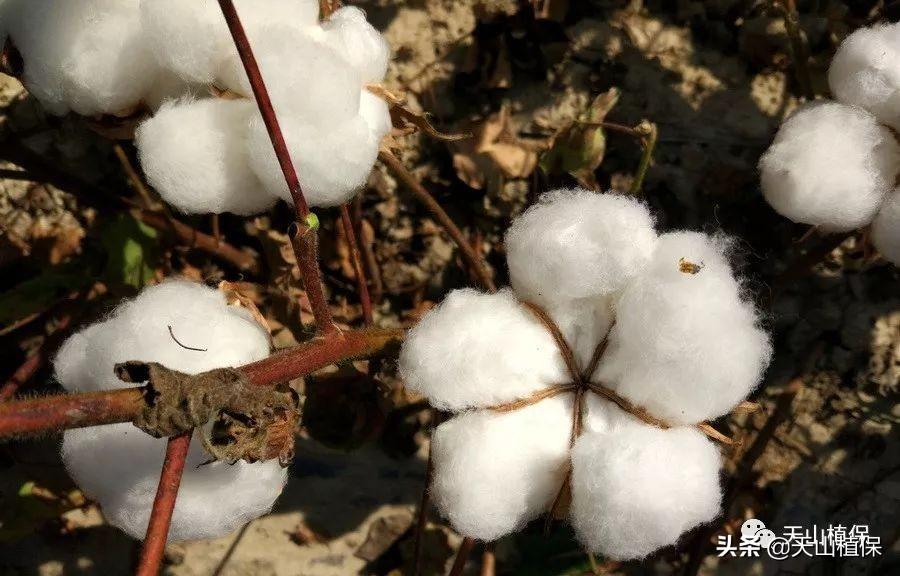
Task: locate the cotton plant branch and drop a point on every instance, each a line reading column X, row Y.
column 361, row 282
column 49, row 414
column 799, row 48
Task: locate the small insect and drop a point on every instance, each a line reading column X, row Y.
column 688, row 267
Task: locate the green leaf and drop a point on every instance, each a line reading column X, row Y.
column 132, row 251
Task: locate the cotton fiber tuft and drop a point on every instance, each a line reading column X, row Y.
column 684, row 345
column 886, row 228
column 192, row 153
column 865, row 72
column 118, row 464
column 830, row 165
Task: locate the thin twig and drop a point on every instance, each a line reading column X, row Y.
column 472, row 259
column 163, row 505
column 366, row 238
column 799, row 48
column 134, row 177
column 650, row 134
column 361, row 283
column 488, row 560
column 303, row 233
column 33, row 363
column 462, row 556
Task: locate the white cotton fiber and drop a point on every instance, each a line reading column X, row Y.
column 193, row 153
column 577, row 244
column 118, row 464
column 477, row 350
column 192, row 39
column 89, row 56
column 830, row 165
column 886, row 228
column 865, row 72
column 685, row 346
column 494, row 472
column 638, row 488
column 351, row 35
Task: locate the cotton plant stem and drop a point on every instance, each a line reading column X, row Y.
column 462, row 556
column 47, row 414
column 472, row 259
column 163, row 505
column 362, row 285
column 33, row 363
column 650, row 134
column 488, row 561
column 303, row 233
column 366, row 239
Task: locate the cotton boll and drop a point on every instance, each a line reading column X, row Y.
column 351, row 35
column 493, row 472
column 477, row 350
column 86, row 55
column 199, row 317
column 886, row 228
column 577, row 244
column 865, row 72
column 194, row 154
column 638, row 488
column 119, row 466
column 830, row 165
column 686, row 344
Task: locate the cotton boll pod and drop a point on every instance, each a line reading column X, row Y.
column 830, row 165
column 351, row 35
column 199, row 318
column 118, row 464
column 686, row 344
column 865, row 72
column 493, row 472
column 194, row 154
column 577, row 244
column 332, row 163
column 89, row 56
column 637, row 488
column 478, row 350
column 886, row 228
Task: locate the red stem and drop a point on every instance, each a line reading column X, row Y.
column 361, row 283
column 303, row 233
column 53, row 413
column 163, row 505
column 462, row 556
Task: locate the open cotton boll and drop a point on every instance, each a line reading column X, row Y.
column 351, row 35
column 886, row 228
column 118, row 464
column 638, row 488
column 194, row 154
column 138, row 329
column 477, row 350
column 576, row 244
column 830, row 165
column 686, row 344
column 493, row 472
column 89, row 56
column 865, row 71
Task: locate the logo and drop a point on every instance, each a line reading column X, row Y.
column 834, row 541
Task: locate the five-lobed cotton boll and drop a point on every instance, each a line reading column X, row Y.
column 576, row 244
column 637, row 488
column 451, row 355
column 686, row 344
column 830, row 165
column 88, row 56
column 865, row 72
column 886, row 228
column 193, row 153
column 187, row 327
column 493, row 472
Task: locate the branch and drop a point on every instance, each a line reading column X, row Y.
column 361, row 283
column 54, row 413
column 475, row 262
